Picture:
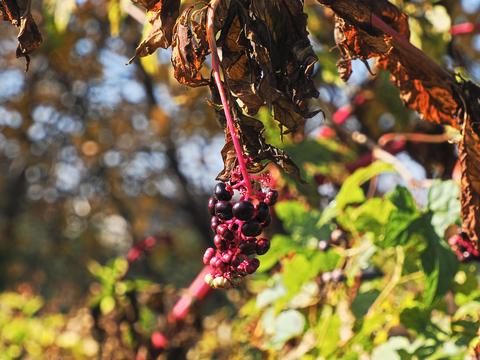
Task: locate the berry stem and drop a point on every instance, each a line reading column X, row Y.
column 226, row 107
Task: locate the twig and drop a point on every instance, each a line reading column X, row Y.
column 392, row 283
column 415, row 137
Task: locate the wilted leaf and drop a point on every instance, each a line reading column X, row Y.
column 424, row 88
column 469, row 155
column 163, row 15
column 19, row 14
column 190, row 46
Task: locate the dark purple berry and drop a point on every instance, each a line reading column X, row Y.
column 221, row 192
column 211, row 205
column 252, row 265
column 247, row 247
column 214, row 222
column 271, row 197
column 208, row 255
column 262, row 212
column 243, row 210
column 262, row 246
column 251, row 228
column 223, row 209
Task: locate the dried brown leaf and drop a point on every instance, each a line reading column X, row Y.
column 163, row 15
column 469, row 156
column 29, row 37
column 190, row 47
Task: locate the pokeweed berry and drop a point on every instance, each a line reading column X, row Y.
column 211, row 205
column 236, row 224
column 214, row 222
column 262, row 246
column 271, row 197
column 223, row 209
column 243, row 210
column 251, row 228
column 221, row 192
column 208, row 255
column 252, row 265
column 464, row 248
column 262, row 212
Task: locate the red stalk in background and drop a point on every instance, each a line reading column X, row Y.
column 464, row 28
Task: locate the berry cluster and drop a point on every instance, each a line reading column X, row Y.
column 237, row 225
column 463, row 248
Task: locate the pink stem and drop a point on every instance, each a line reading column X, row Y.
column 464, row 28
column 197, row 290
column 226, row 108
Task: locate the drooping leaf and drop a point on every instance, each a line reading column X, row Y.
column 18, row 12
column 162, row 16
column 190, row 46
column 469, row 156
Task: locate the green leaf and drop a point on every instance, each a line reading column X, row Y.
column 299, row 220
column 271, row 294
column 400, row 229
column 444, row 204
column 280, row 246
column 402, row 222
column 438, row 261
column 362, row 303
column 403, row 199
column 371, row 216
column 415, row 318
column 351, row 191
column 296, row 272
column 285, row 326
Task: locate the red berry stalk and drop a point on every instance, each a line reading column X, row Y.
column 236, row 223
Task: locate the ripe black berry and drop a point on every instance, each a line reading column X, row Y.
column 223, row 209
column 262, row 212
column 252, row 265
column 221, row 192
column 251, row 228
column 211, row 205
column 243, row 210
column 262, row 246
column 247, row 248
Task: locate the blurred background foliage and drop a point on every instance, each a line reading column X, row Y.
column 95, row 155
